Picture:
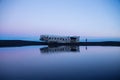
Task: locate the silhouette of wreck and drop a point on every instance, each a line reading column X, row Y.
column 59, row 39
column 59, row 49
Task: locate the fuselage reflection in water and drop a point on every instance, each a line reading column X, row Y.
column 59, row 49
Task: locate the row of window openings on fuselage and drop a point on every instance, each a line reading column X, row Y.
column 57, row 38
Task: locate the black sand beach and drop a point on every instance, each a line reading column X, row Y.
column 18, row 43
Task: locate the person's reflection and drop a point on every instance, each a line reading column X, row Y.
column 86, row 47
column 59, row 49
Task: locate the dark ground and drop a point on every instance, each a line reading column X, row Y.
column 18, row 43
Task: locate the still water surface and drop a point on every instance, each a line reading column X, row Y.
column 60, row 63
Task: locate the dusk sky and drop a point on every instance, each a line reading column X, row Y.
column 28, row 19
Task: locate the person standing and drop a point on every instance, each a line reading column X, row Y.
column 86, row 40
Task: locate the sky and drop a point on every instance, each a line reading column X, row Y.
column 28, row 19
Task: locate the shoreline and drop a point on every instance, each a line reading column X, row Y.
column 20, row 43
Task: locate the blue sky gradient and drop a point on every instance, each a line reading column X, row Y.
column 27, row 19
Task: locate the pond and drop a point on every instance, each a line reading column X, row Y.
column 60, row 63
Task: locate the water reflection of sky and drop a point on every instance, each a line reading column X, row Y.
column 30, row 63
